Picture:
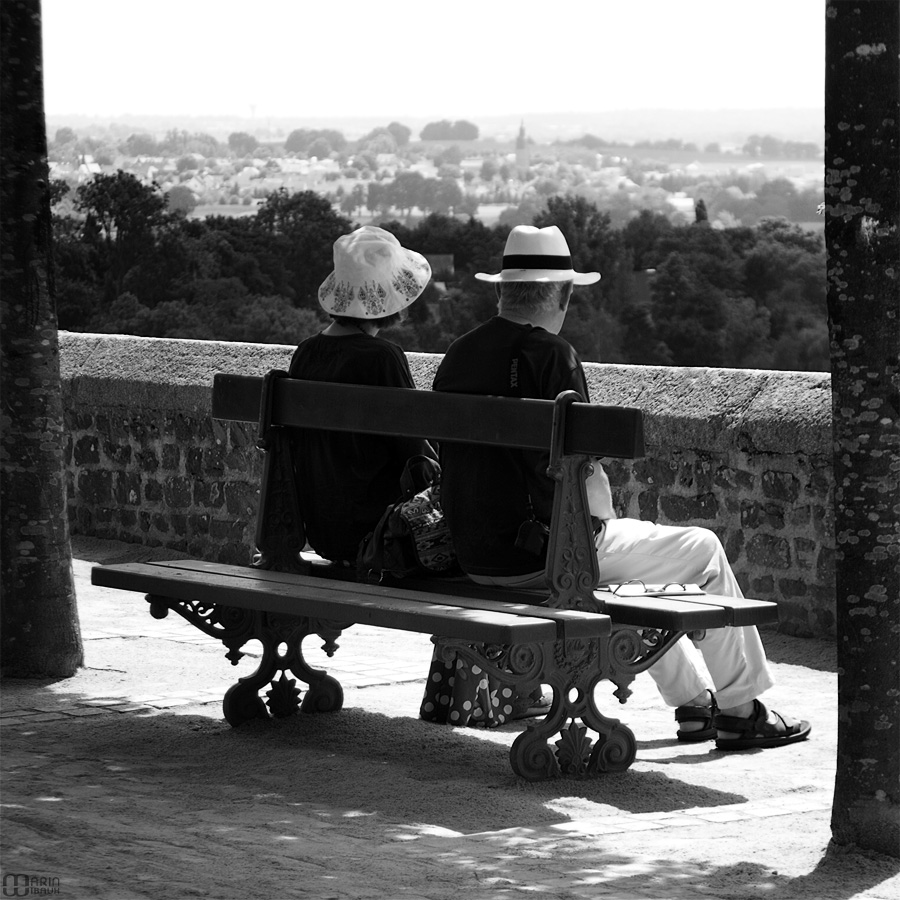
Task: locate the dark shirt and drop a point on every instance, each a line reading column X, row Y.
column 486, row 490
column 347, row 480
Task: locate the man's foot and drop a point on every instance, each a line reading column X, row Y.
column 696, row 719
column 537, row 703
column 761, row 728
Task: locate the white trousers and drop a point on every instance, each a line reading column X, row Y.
column 729, row 661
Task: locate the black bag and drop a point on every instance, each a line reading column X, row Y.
column 411, row 538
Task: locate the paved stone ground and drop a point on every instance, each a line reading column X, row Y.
column 408, row 814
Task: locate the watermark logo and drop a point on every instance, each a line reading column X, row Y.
column 19, row 885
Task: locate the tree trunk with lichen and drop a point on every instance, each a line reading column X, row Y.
column 862, row 201
column 40, row 635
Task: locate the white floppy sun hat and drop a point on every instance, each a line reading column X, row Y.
column 374, row 276
column 538, row 254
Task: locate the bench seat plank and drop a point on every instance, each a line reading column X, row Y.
column 571, row 624
column 736, row 611
column 684, row 614
column 336, row 601
column 739, row 611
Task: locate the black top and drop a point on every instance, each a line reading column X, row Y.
column 346, row 480
column 485, row 490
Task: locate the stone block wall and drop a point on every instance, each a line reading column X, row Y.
column 745, row 453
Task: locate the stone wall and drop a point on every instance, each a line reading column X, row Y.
column 746, row 453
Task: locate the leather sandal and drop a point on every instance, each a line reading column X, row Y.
column 537, row 704
column 757, row 731
column 703, row 714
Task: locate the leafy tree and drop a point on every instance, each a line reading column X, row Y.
column 220, row 310
column 378, row 198
column 379, row 140
column 242, row 144
column 523, row 214
column 465, row 131
column 452, row 155
column 489, row 169
column 40, row 635
column 58, row 190
column 366, row 161
column 400, row 133
column 862, row 90
column 181, row 199
column 408, row 190
column 353, row 200
column 708, row 251
column 319, row 148
column 217, row 247
column 447, row 196
column 445, row 130
column 141, row 145
column 65, row 135
column 123, row 216
column 639, row 341
column 300, row 140
column 642, row 234
column 688, row 314
column 335, row 138
column 203, row 143
column 437, row 131
column 175, row 142
column 746, row 332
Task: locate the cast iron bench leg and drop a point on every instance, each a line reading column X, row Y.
column 281, row 638
column 578, row 666
column 572, row 669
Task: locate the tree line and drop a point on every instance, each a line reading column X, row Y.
column 682, row 295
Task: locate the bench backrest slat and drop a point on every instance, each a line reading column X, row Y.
column 610, row 431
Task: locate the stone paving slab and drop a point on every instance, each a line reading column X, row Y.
column 375, row 658
column 365, row 668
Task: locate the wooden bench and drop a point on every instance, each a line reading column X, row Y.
column 571, row 636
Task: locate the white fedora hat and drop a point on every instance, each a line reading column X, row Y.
column 374, row 276
column 538, row 254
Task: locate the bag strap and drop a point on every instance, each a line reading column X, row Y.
column 370, row 558
column 419, row 473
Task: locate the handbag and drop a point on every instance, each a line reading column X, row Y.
column 412, row 538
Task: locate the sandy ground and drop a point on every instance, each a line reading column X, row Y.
column 125, row 782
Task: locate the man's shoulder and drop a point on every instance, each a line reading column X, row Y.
column 464, row 344
column 542, row 338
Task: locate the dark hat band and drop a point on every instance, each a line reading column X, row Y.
column 536, row 261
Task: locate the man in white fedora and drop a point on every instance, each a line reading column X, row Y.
column 491, row 495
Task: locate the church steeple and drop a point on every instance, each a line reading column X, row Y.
column 523, row 154
column 520, row 139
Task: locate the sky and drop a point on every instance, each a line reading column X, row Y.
column 458, row 60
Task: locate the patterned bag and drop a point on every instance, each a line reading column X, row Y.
column 411, row 538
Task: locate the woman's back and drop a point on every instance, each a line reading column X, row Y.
column 346, row 479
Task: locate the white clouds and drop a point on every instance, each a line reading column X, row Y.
column 468, row 58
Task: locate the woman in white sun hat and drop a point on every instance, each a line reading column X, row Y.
column 349, row 479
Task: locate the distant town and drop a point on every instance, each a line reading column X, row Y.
column 451, row 168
